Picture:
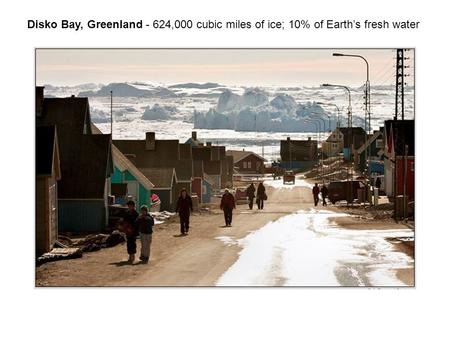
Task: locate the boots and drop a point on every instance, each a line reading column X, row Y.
column 131, row 259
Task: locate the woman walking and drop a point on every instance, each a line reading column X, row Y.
column 184, row 208
column 261, row 195
column 227, row 204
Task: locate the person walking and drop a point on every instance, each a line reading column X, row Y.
column 145, row 224
column 130, row 229
column 324, row 192
column 227, row 204
column 316, row 192
column 251, row 195
column 184, row 208
column 261, row 195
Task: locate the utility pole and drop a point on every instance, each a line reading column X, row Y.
column 399, row 84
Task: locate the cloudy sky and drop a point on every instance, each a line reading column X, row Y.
column 250, row 67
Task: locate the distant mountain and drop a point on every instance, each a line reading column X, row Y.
column 207, row 85
column 127, row 90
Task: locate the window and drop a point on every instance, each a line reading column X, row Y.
column 244, row 165
column 379, row 143
column 249, row 165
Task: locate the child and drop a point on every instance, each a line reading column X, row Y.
column 145, row 224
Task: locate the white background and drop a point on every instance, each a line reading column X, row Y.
column 226, row 312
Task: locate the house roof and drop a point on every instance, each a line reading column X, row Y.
column 372, row 138
column 123, row 163
column 47, row 153
column 212, row 167
column 161, row 177
column 239, row 155
column 201, row 153
column 403, row 133
column 165, row 155
column 185, row 151
column 86, row 159
column 298, row 150
column 356, row 133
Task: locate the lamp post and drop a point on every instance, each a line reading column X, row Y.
column 367, row 87
column 349, row 113
column 349, row 125
column 318, row 140
column 337, row 108
column 367, row 114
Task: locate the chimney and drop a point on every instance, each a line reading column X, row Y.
column 150, row 142
column 39, row 100
column 309, row 138
column 208, row 144
column 288, row 139
column 194, row 135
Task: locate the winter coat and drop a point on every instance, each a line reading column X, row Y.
column 324, row 191
column 145, row 224
column 261, row 191
column 227, row 202
column 129, row 220
column 316, row 190
column 251, row 191
column 184, row 206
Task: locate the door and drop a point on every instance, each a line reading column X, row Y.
column 133, row 190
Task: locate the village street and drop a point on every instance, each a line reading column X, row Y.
column 290, row 242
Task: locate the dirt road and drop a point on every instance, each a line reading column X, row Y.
column 199, row 259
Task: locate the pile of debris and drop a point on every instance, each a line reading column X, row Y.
column 67, row 248
column 161, row 216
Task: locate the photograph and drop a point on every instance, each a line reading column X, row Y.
column 224, row 167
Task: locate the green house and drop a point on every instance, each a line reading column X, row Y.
column 138, row 186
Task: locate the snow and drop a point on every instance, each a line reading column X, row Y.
column 307, row 249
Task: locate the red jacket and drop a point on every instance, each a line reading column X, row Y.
column 227, row 202
column 315, row 190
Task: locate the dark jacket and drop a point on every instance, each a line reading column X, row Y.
column 251, row 191
column 261, row 192
column 227, row 202
column 129, row 220
column 145, row 224
column 324, row 191
column 184, row 205
column 316, row 190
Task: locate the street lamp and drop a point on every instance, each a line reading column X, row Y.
column 318, row 125
column 366, row 103
column 349, row 114
column 367, row 89
column 337, row 108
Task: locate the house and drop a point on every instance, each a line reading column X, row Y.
column 48, row 173
column 354, row 138
column 399, row 158
column 138, row 186
column 334, row 143
column 371, row 149
column 298, row 154
column 164, row 185
column 85, row 160
column 247, row 162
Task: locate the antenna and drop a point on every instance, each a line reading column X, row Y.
column 111, row 114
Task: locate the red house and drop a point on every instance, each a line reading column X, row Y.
column 399, row 158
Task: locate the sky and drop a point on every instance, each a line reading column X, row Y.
column 248, row 67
